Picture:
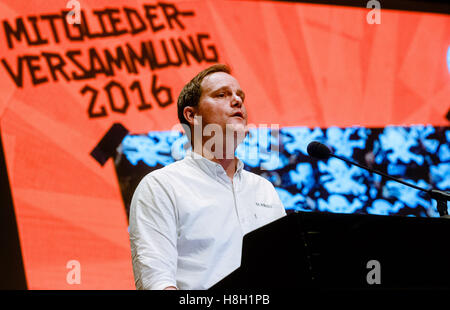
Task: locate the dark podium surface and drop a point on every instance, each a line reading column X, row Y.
column 331, row 251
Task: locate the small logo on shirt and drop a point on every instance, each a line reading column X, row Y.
column 262, row 204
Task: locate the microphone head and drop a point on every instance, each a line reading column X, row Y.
column 318, row 150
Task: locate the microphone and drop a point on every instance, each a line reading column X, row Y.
column 319, row 150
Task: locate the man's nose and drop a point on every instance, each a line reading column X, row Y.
column 236, row 101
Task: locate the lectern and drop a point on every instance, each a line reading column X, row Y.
column 345, row 251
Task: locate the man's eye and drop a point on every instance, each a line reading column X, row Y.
column 221, row 95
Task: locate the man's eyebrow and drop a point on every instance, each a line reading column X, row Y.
column 220, row 88
column 239, row 91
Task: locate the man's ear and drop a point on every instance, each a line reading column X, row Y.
column 189, row 114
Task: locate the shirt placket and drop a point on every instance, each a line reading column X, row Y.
column 221, row 176
column 240, row 209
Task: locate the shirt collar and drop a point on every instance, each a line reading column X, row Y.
column 210, row 167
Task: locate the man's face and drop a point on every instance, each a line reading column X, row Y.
column 222, row 102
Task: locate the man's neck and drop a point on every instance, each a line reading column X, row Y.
column 228, row 164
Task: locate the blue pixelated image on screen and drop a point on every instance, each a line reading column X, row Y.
column 419, row 155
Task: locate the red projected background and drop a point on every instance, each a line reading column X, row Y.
column 63, row 85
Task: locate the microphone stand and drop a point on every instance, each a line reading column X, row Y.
column 441, row 197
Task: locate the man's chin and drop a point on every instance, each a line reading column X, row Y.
column 238, row 127
column 237, row 132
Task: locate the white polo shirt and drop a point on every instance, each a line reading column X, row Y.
column 187, row 222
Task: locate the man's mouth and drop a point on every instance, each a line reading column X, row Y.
column 239, row 114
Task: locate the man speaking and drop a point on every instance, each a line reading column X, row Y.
column 188, row 219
